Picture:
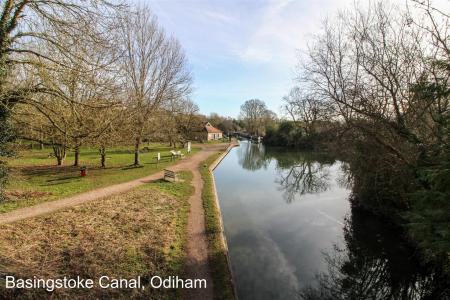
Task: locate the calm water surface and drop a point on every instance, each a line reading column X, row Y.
column 292, row 233
column 281, row 210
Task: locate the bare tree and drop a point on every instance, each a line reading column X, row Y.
column 155, row 69
column 253, row 113
column 183, row 114
column 304, row 109
column 367, row 63
column 115, row 134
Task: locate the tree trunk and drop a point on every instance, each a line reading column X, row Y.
column 60, row 154
column 103, row 157
column 136, row 151
column 41, row 143
column 77, row 156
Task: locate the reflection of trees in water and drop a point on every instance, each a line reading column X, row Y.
column 345, row 178
column 252, row 156
column 302, row 173
column 299, row 172
column 305, row 177
column 376, row 264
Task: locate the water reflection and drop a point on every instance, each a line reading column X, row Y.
column 278, row 245
column 302, row 178
column 275, row 243
column 376, row 264
column 298, row 173
column 252, row 156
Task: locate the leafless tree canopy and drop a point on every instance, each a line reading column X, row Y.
column 304, row 109
column 255, row 115
column 27, row 25
column 154, row 68
column 368, row 65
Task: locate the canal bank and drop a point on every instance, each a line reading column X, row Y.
column 219, row 260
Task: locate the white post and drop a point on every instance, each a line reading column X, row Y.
column 159, row 157
column 189, row 147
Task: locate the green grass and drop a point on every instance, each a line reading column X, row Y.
column 35, row 178
column 218, row 263
column 182, row 190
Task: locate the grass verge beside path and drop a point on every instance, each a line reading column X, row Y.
column 182, row 190
column 35, row 178
column 218, row 263
column 138, row 233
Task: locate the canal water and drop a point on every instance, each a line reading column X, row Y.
column 292, row 233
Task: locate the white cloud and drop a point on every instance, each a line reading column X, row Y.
column 216, row 16
column 283, row 27
column 247, row 48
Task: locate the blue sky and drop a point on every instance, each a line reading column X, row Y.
column 244, row 49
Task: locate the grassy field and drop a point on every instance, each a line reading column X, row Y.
column 138, row 233
column 218, row 263
column 35, row 177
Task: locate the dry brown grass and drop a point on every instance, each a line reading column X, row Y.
column 124, row 236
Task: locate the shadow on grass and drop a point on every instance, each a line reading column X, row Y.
column 130, row 167
column 47, row 170
column 56, row 170
column 64, row 178
column 57, row 183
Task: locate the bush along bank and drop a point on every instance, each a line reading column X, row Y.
column 293, row 135
column 413, row 194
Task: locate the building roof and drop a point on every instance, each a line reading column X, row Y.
column 211, row 129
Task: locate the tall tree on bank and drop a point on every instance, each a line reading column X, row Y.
column 185, row 119
column 253, row 113
column 154, row 67
column 304, row 109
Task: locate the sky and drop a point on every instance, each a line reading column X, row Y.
column 240, row 50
